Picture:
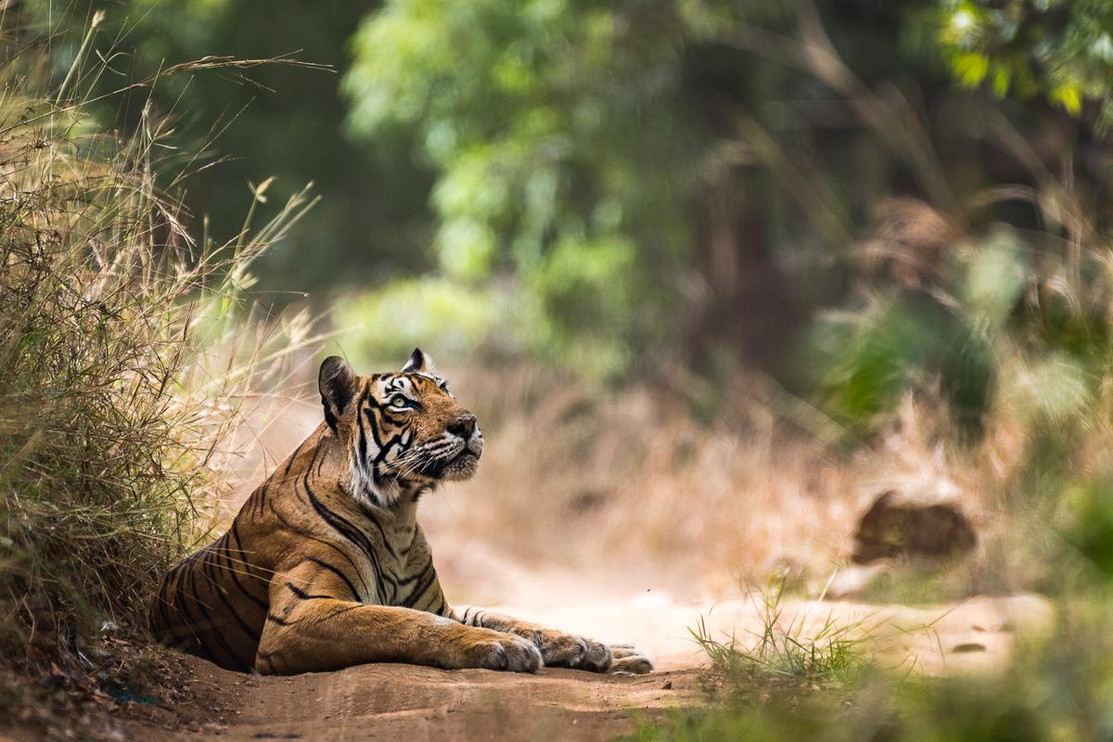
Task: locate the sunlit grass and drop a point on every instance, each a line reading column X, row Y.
column 824, row 685
column 833, row 654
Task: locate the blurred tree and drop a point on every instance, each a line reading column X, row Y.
column 618, row 157
column 560, row 155
column 1061, row 49
column 699, row 171
column 632, row 178
column 269, row 120
column 567, row 154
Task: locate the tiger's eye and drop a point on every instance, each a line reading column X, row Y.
column 399, row 401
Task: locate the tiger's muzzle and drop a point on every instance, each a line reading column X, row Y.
column 460, row 460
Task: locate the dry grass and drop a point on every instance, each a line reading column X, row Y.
column 633, row 482
column 126, row 352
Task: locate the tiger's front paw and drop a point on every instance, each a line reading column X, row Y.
column 628, row 660
column 566, row 650
column 506, row 652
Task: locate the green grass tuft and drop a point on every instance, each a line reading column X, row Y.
column 830, row 655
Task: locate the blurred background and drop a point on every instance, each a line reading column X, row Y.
column 613, row 188
column 790, row 299
column 713, row 274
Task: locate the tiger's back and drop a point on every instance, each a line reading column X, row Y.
column 213, row 604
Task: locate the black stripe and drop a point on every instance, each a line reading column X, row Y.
column 397, row 422
column 418, row 573
column 362, row 446
column 293, row 458
column 215, row 631
column 223, row 551
column 349, row 531
column 382, row 531
column 219, row 590
column 235, row 572
column 261, row 496
column 338, row 573
column 183, row 609
column 302, row 595
column 194, row 625
column 334, row 547
column 405, row 552
column 429, row 578
column 375, row 432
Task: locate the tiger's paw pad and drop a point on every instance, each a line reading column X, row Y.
column 513, row 654
column 626, row 660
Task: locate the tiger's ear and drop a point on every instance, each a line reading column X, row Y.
column 337, row 383
column 419, row 362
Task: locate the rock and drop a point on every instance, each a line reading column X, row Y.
column 968, row 647
column 898, row 525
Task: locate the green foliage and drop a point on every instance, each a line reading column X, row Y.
column 464, row 319
column 1005, row 323
column 1054, row 689
column 872, row 358
column 642, row 174
column 232, row 126
column 531, row 115
column 1059, row 49
column 1089, row 523
column 650, row 178
column 456, row 319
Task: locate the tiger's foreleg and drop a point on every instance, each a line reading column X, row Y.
column 559, row 649
column 319, row 633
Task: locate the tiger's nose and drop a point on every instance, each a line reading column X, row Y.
column 463, row 426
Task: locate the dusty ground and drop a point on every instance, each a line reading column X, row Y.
column 401, row 702
column 391, row 702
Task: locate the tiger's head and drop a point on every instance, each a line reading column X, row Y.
column 402, row 432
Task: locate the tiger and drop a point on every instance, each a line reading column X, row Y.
column 325, row 565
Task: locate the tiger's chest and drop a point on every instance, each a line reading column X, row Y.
column 391, row 558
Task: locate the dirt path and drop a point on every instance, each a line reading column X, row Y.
column 401, row 702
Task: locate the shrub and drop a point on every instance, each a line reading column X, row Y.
column 125, row 355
